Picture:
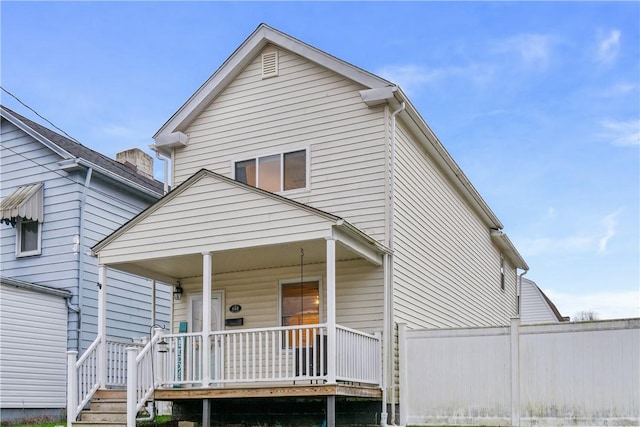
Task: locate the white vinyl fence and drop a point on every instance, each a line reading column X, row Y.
column 578, row 374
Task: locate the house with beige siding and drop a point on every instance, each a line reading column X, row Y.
column 312, row 211
column 535, row 305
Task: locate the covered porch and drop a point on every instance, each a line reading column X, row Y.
column 233, row 333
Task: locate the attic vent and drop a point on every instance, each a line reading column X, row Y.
column 269, row 64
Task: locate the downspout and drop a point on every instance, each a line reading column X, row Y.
column 385, row 340
column 165, row 179
column 81, row 254
column 392, row 263
column 519, row 290
column 385, row 295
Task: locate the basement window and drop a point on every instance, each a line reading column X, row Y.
column 275, row 173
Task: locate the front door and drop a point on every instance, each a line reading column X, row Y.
column 195, row 307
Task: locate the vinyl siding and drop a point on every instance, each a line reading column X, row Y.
column 359, row 295
column 33, row 339
column 128, row 296
column 24, row 161
column 447, row 271
column 534, row 308
column 220, row 216
column 308, row 107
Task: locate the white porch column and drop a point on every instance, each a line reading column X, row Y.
column 102, row 325
column 72, row 387
column 153, row 302
column 331, row 310
column 207, row 273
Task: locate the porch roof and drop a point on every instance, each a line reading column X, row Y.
column 242, row 226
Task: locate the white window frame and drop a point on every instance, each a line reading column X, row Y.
column 19, row 252
column 297, row 280
column 281, row 154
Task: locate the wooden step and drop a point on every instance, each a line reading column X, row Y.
column 114, row 416
column 108, row 407
column 119, row 405
column 110, row 394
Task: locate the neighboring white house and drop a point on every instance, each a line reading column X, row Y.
column 314, row 210
column 535, row 306
column 57, row 199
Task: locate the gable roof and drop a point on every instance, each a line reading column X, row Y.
column 243, row 55
column 204, row 173
column 380, row 91
column 77, row 153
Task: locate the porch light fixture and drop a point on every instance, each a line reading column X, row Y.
column 177, row 294
column 162, row 346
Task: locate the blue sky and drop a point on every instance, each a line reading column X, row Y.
column 538, row 102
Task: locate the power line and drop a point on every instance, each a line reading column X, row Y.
column 38, row 114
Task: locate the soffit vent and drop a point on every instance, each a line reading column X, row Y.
column 269, row 64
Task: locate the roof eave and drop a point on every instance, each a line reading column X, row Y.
column 447, row 164
column 508, row 249
column 32, row 133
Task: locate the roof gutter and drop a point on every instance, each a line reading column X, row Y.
column 394, row 97
column 63, row 293
column 507, row 247
column 446, row 162
column 71, row 163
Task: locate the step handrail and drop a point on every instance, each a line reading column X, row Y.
column 141, row 379
column 82, row 379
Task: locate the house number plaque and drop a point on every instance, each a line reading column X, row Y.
column 235, row 308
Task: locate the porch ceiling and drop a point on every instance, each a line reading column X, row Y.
column 254, row 258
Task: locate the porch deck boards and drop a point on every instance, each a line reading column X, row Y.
column 244, row 391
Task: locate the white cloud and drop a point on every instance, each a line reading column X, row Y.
column 411, row 77
column 608, row 46
column 533, row 49
column 610, row 223
column 619, row 89
column 594, row 242
column 617, row 304
column 554, row 245
column 621, row 132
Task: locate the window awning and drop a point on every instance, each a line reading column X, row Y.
column 25, row 202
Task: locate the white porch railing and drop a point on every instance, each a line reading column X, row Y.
column 181, row 364
column 358, row 356
column 83, row 378
column 280, row 354
column 287, row 353
column 117, row 362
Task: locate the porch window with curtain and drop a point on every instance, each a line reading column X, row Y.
column 300, row 306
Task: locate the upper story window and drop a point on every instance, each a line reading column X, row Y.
column 275, row 173
column 28, row 237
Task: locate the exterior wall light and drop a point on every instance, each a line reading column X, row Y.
column 177, row 294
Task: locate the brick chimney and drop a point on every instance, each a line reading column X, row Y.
column 137, row 160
